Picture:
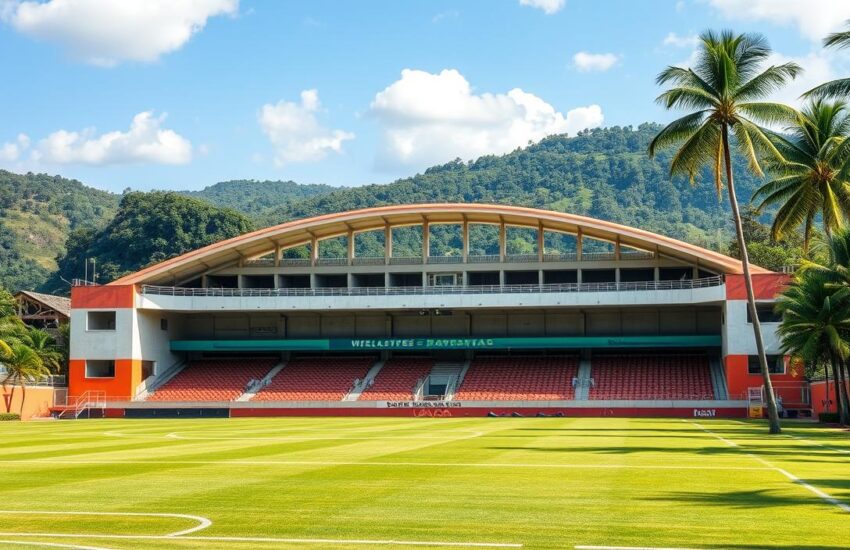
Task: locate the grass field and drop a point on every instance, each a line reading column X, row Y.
column 354, row 483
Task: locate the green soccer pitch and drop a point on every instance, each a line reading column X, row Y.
column 356, row 483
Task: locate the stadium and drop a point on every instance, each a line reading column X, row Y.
column 597, row 319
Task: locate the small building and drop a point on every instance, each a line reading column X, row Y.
column 44, row 311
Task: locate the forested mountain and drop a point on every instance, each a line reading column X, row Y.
column 148, row 228
column 603, row 173
column 37, row 212
column 252, row 197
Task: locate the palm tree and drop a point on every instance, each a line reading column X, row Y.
column 815, row 324
column 22, row 365
column 841, row 86
column 724, row 87
column 809, row 181
column 44, row 345
column 837, row 274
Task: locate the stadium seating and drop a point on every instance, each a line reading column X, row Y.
column 519, row 379
column 637, row 376
column 214, row 379
column 397, row 378
column 316, row 379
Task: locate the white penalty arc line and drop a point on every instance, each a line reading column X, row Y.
column 51, row 545
column 203, row 522
column 794, row 479
column 495, row 465
column 358, row 542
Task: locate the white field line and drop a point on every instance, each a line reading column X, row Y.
column 812, row 442
column 794, row 479
column 51, row 545
column 176, row 435
column 627, row 548
column 203, row 522
column 53, row 461
column 357, row 542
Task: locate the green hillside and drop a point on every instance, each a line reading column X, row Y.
column 603, row 173
column 37, row 212
column 252, row 197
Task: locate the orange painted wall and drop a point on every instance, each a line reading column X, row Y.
column 37, row 403
column 738, row 379
column 819, row 396
column 766, row 286
column 118, row 296
column 128, row 375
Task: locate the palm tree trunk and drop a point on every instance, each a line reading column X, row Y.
column 826, row 394
column 845, row 399
column 23, row 398
column 842, row 407
column 772, row 412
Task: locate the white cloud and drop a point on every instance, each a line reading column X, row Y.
column 585, row 61
column 548, row 6
column 429, row 118
column 295, row 132
column 145, row 142
column 673, row 39
column 818, row 69
column 814, row 19
column 12, row 151
column 106, row 32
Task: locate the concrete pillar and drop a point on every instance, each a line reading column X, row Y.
column 657, row 274
column 503, row 242
column 426, row 241
column 578, row 244
column 502, row 277
column 578, row 276
column 388, row 244
column 465, row 238
column 540, row 243
column 350, row 242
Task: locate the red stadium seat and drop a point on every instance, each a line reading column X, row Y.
column 213, row 379
column 519, row 379
column 316, row 379
column 397, row 378
column 631, row 377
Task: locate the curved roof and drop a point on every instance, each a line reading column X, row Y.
column 261, row 242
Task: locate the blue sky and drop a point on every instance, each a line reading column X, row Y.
column 163, row 94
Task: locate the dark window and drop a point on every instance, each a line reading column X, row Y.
column 766, row 314
column 101, row 320
column 163, row 324
column 148, row 369
column 775, row 364
column 96, row 368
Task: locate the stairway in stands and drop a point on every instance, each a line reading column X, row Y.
column 651, row 377
column 316, row 379
column 397, row 380
column 213, row 379
column 535, row 378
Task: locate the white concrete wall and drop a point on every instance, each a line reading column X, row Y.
column 738, row 336
column 151, row 343
column 102, row 344
column 423, row 301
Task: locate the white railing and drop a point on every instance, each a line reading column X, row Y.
column 483, row 259
column 88, row 400
column 406, row 260
column 445, row 259
column 368, row 260
column 295, row 262
column 150, row 290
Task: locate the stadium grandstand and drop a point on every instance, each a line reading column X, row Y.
column 597, row 319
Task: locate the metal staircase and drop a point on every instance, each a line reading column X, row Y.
column 85, row 403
